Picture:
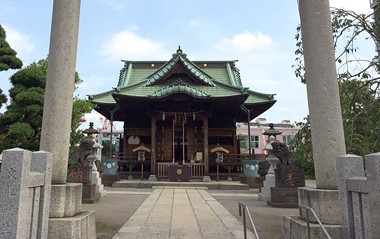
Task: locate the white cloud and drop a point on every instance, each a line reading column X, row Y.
column 194, row 23
column 245, row 42
column 94, row 85
column 21, row 43
column 359, row 6
column 129, row 45
column 115, row 4
column 98, row 121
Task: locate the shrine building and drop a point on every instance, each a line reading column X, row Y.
column 180, row 110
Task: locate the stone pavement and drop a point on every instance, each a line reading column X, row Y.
column 182, row 213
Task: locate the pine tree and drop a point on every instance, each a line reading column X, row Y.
column 8, row 60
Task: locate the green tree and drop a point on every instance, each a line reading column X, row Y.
column 22, row 119
column 8, row 60
column 358, row 85
column 80, row 107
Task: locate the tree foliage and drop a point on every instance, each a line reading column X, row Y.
column 22, row 121
column 8, row 60
column 358, row 85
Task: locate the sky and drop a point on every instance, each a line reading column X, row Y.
column 259, row 34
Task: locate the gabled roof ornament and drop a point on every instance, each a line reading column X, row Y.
column 179, row 51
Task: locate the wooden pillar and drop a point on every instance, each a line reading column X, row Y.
column 235, row 140
column 205, row 144
column 153, row 146
column 125, row 141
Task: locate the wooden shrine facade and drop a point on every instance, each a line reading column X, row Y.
column 180, row 109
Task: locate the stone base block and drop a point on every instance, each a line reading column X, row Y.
column 206, row 179
column 80, row 226
column 152, row 177
column 109, row 179
column 324, row 202
column 283, row 197
column 100, row 194
column 295, row 228
column 264, row 197
column 65, row 200
column 253, row 182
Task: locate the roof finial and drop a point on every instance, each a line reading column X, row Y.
column 179, row 51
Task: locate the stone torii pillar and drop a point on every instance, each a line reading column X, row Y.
column 325, row 120
column 65, row 216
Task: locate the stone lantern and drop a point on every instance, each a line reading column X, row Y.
column 265, row 191
column 270, row 157
column 90, row 138
column 92, row 188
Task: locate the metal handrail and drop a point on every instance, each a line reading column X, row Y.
column 246, row 211
column 308, row 222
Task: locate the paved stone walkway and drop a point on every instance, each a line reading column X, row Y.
column 182, row 213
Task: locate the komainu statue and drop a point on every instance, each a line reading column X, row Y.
column 81, row 153
column 287, row 158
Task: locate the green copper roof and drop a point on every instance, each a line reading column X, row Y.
column 179, row 58
column 199, row 79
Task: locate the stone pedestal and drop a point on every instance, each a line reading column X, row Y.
column 285, row 193
column 269, row 182
column 326, row 205
column 88, row 194
column 99, row 187
column 152, row 177
column 80, row 226
column 66, row 218
column 293, row 227
column 283, row 197
column 206, row 179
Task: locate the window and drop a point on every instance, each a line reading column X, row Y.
column 287, row 138
column 255, row 141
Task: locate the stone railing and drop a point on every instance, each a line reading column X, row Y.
column 25, row 193
column 359, row 195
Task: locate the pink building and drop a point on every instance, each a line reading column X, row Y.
column 258, row 139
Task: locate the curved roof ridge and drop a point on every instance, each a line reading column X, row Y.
column 162, row 70
column 179, row 86
column 198, row 72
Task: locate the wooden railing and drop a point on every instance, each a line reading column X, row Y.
column 162, row 169
column 197, row 169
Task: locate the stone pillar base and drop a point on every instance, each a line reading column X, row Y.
column 80, row 226
column 295, row 228
column 326, row 205
column 65, row 200
column 206, row 179
column 324, row 202
column 152, row 177
column 66, row 218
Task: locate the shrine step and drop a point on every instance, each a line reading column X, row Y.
column 213, row 185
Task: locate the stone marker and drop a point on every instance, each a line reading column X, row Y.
column 25, row 194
